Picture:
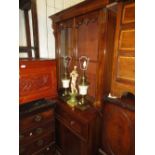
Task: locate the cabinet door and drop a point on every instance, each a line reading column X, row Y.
column 123, row 78
column 64, row 46
column 87, row 35
column 67, row 142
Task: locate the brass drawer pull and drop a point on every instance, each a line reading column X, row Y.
column 39, row 130
column 38, row 118
column 40, row 142
column 30, row 134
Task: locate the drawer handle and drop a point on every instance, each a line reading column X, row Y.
column 72, row 122
column 40, row 142
column 39, row 131
column 30, row 134
column 23, row 66
column 37, row 118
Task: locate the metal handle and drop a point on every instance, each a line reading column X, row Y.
column 23, row 66
column 30, row 134
column 38, row 118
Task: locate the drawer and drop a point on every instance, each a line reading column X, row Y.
column 78, row 127
column 30, row 135
column 37, row 145
column 34, row 120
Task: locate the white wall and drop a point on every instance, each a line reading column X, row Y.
column 45, row 8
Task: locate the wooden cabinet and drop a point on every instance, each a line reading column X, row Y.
column 77, row 131
column 37, row 128
column 88, row 30
column 118, row 126
column 37, row 79
column 123, row 77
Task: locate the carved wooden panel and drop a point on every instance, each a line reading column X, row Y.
column 128, row 14
column 37, row 80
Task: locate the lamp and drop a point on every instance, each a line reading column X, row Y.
column 83, row 85
column 66, row 80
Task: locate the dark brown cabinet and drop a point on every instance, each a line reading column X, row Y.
column 77, row 132
column 37, row 128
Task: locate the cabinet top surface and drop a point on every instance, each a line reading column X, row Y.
column 86, row 115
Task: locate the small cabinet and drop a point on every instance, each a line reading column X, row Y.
column 77, row 131
column 123, row 76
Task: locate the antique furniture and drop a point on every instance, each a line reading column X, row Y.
column 76, row 131
column 87, row 29
column 37, row 79
column 118, row 126
column 37, row 128
column 37, row 97
column 123, row 76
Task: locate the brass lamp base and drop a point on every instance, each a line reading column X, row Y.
column 72, row 102
column 82, row 104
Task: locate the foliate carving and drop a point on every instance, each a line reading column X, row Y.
column 64, row 25
column 28, row 84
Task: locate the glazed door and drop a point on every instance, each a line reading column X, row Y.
column 64, row 46
column 87, row 39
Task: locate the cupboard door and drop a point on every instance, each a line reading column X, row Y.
column 67, row 142
column 123, row 78
column 87, row 34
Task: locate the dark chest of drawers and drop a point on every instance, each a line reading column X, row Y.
column 37, row 128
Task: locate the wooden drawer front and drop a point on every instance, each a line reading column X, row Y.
column 34, row 133
column 34, row 120
column 128, row 14
column 37, row 145
column 75, row 125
